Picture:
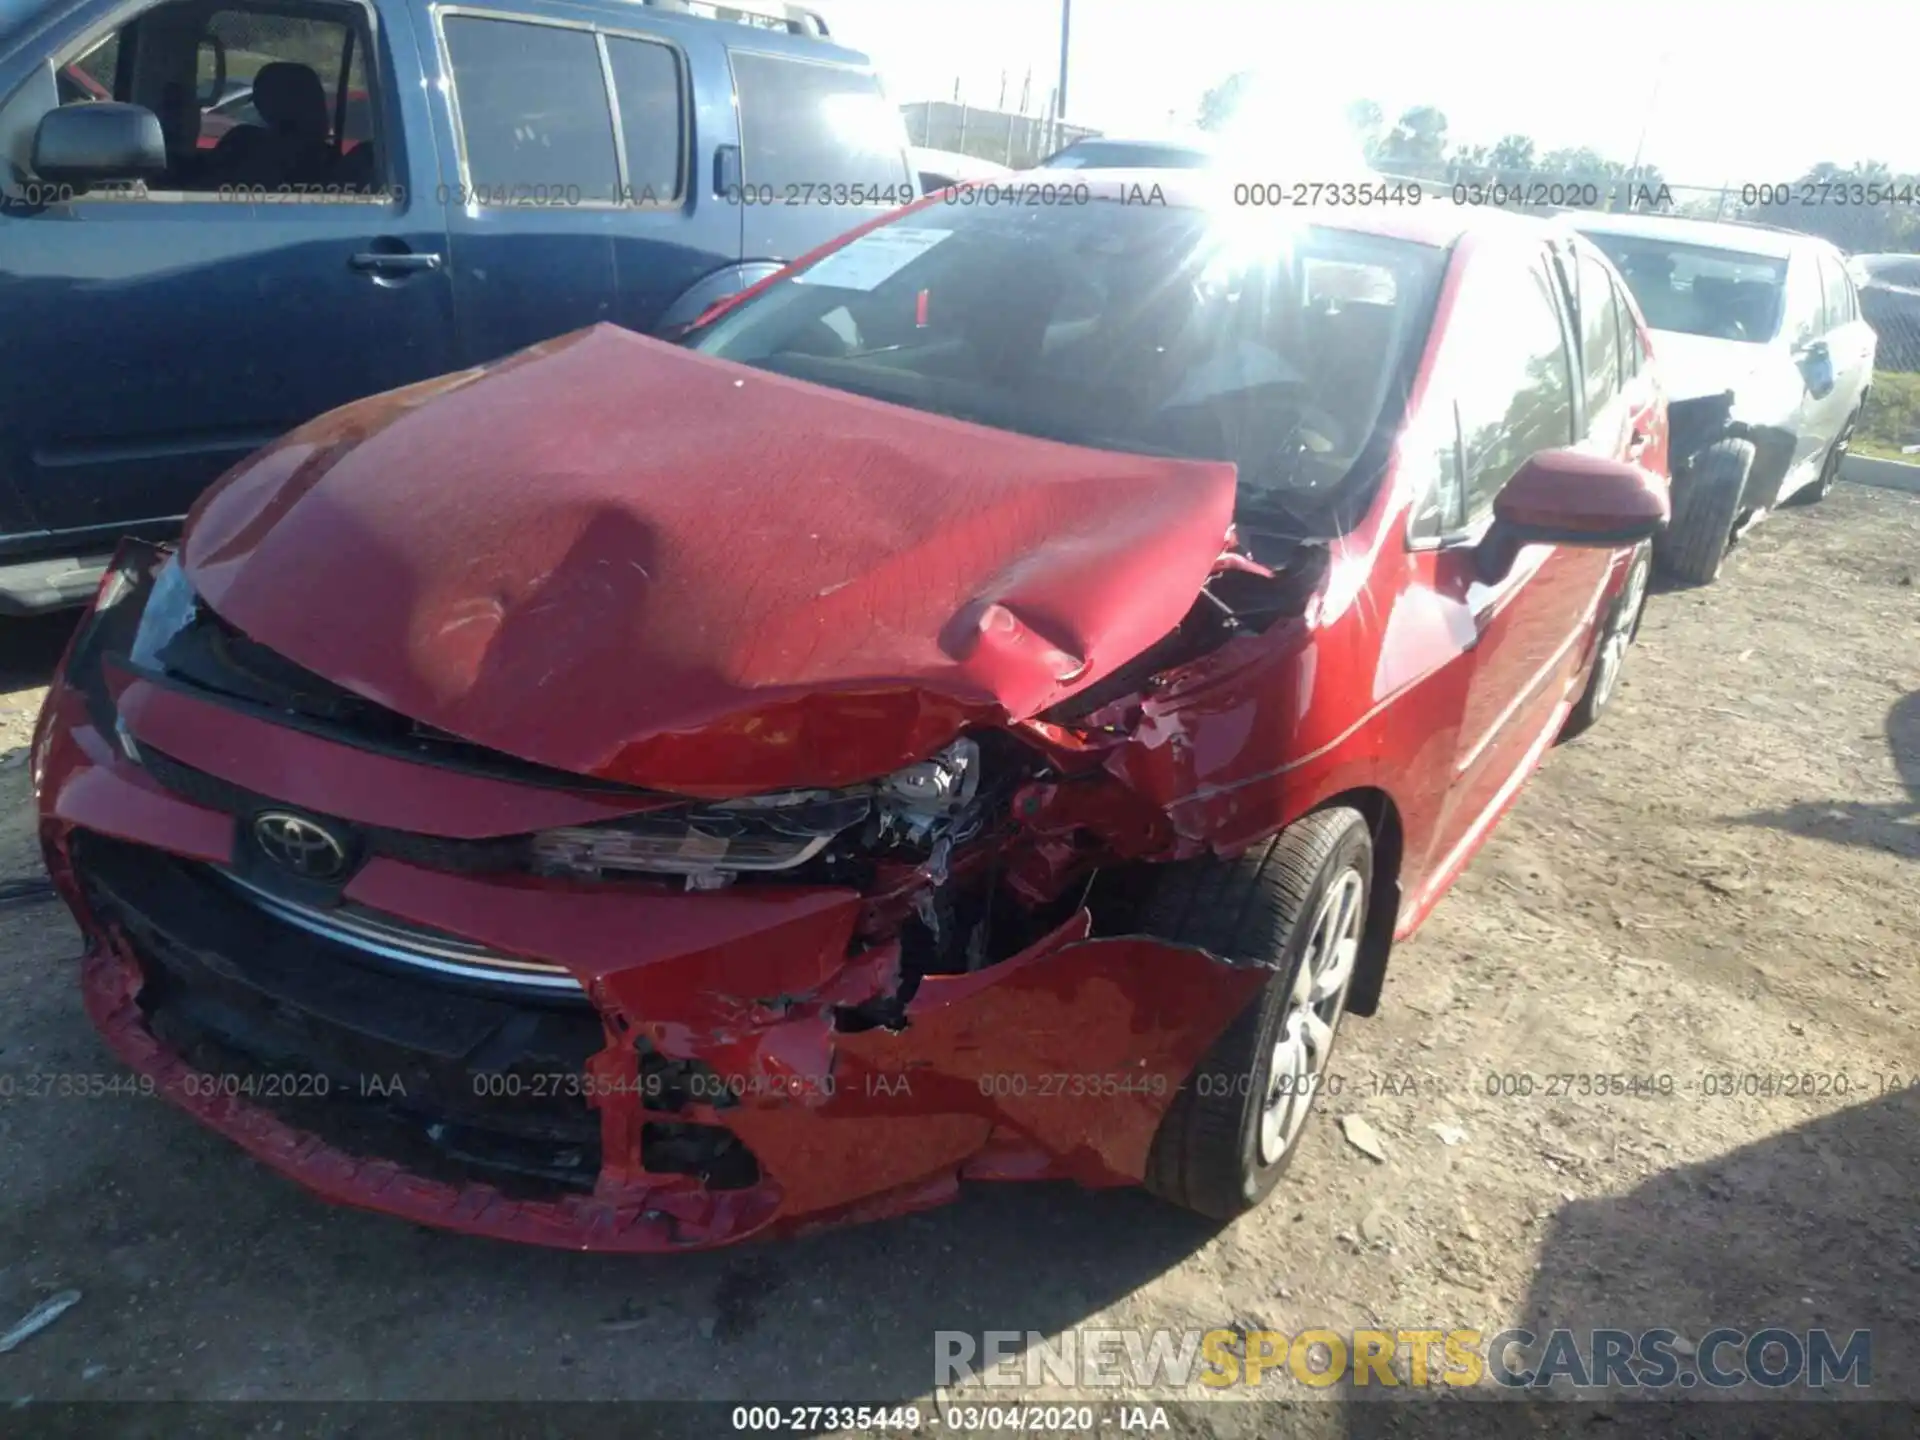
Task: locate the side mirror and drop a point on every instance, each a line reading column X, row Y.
column 99, row 144
column 1568, row 497
column 1816, row 363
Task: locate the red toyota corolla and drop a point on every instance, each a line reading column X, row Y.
column 983, row 708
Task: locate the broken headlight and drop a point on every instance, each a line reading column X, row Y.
column 711, row 843
column 171, row 607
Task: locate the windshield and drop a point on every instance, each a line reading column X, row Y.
column 1126, row 327
column 1696, row 290
column 1121, row 155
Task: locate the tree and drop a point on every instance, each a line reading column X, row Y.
column 1369, row 126
column 1222, row 102
column 1512, row 154
column 1417, row 144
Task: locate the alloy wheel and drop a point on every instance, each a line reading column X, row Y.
column 1314, row 1008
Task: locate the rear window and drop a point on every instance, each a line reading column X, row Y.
column 1138, row 328
column 1698, row 289
column 805, row 125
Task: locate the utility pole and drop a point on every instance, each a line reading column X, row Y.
column 1066, row 35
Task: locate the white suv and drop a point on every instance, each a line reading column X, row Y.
column 1761, row 346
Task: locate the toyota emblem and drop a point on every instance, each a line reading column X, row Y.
column 310, row 851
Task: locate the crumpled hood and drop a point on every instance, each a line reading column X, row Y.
column 1693, row 366
column 613, row 556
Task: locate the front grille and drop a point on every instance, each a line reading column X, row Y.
column 451, row 1076
column 453, row 1068
column 419, row 946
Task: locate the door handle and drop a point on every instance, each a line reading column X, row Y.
column 1637, row 442
column 726, row 171
column 406, row 262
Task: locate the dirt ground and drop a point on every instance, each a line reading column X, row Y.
column 1721, row 880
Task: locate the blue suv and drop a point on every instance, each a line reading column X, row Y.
column 223, row 217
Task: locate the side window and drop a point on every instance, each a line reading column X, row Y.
column 1515, row 378
column 1599, row 334
column 804, row 125
column 1805, row 314
column 1442, row 506
column 535, row 124
column 651, row 88
column 1633, row 356
column 245, row 97
column 90, row 77
column 1839, row 292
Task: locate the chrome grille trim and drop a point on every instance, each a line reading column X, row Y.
column 393, row 939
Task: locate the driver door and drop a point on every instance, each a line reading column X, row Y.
column 161, row 337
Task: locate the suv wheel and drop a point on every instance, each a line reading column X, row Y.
column 1694, row 545
column 1298, row 903
column 1617, row 633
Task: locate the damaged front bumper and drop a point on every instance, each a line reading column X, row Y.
column 623, row 1067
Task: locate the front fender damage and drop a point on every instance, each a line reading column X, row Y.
column 1056, row 1063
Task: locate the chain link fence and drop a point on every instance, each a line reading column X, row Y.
column 1002, row 136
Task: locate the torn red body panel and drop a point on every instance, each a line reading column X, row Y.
column 612, row 591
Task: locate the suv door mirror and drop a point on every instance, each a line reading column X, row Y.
column 1816, row 364
column 98, row 144
column 1568, row 497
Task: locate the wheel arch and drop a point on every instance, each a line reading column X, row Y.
column 1384, row 897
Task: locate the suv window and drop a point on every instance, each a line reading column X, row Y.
column 535, row 125
column 1599, row 334
column 1839, row 292
column 270, row 121
column 804, row 125
column 1515, row 376
column 650, row 84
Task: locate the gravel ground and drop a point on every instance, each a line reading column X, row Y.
column 1722, row 881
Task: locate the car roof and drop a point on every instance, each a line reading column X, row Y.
column 1765, row 240
column 1437, row 220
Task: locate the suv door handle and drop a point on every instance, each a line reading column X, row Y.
column 409, row 262
column 726, row 171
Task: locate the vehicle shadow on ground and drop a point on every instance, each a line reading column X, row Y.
column 1815, row 1227
column 1894, row 828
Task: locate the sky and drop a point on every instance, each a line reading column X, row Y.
column 1691, row 72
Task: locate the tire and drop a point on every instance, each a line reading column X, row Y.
column 1298, row 903
column 1618, row 631
column 1694, row 546
column 1830, row 467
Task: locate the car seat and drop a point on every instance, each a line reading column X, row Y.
column 293, row 147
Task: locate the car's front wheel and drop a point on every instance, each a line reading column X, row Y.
column 1298, row 904
column 1694, row 545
